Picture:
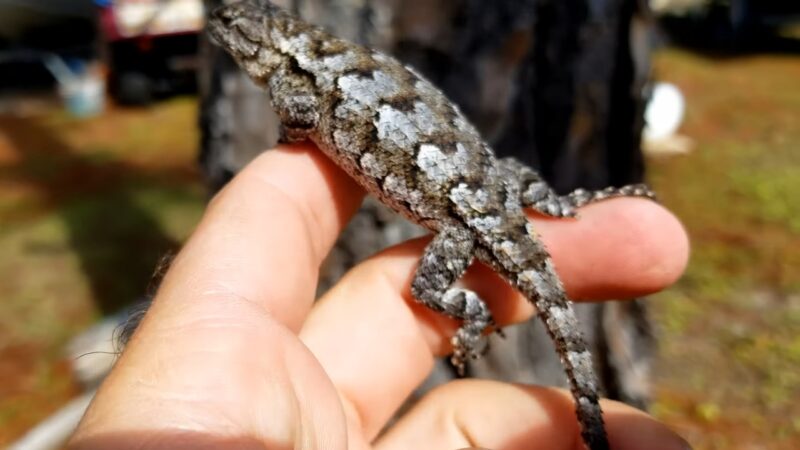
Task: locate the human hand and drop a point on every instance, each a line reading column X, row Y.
column 235, row 354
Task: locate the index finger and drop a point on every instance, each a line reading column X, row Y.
column 265, row 235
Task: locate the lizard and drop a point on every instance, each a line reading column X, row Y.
column 405, row 143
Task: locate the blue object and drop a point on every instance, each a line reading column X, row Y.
column 103, row 3
column 76, row 66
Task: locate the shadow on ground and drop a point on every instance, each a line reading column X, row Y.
column 117, row 242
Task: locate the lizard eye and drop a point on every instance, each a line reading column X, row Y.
column 225, row 15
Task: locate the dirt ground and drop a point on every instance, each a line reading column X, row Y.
column 88, row 206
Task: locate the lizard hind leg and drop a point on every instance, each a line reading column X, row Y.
column 541, row 198
column 581, row 197
column 536, row 194
column 445, row 260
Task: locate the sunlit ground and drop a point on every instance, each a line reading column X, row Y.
column 87, row 208
column 729, row 371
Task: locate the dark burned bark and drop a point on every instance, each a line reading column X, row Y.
column 555, row 83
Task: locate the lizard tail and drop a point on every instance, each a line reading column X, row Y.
column 546, row 292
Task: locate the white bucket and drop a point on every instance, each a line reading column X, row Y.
column 84, row 96
column 664, row 112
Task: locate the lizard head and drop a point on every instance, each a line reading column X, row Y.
column 251, row 32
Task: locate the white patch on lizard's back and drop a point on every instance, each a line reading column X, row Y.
column 368, row 90
column 470, row 200
column 437, row 165
column 405, row 129
column 424, row 118
column 485, row 224
column 338, row 63
column 328, row 68
column 352, row 110
column 397, row 127
column 296, row 44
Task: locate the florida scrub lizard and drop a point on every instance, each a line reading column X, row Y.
column 409, row 146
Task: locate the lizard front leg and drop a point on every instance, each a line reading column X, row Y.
column 539, row 196
column 296, row 101
column 445, row 260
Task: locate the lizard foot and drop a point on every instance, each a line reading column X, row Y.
column 469, row 342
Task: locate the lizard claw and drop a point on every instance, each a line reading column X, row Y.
column 468, row 344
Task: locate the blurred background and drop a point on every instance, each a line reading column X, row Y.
column 118, row 120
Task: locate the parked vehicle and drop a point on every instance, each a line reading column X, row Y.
column 149, row 46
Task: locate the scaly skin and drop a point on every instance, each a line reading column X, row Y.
column 409, row 146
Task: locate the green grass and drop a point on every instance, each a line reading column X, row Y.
column 728, row 373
